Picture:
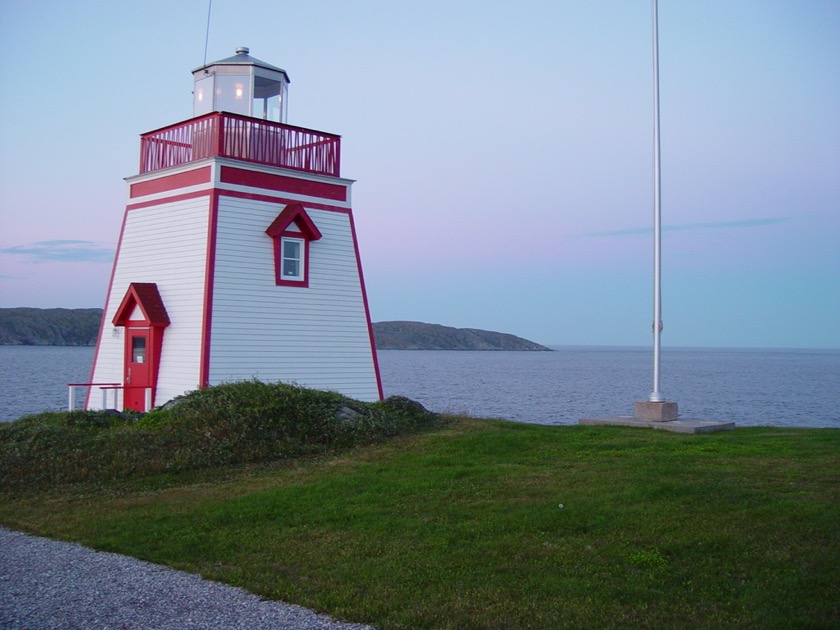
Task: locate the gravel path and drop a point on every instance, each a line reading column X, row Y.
column 47, row 584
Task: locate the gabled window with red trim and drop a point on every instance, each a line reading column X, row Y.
column 292, row 231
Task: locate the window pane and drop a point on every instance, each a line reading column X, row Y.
column 138, row 349
column 291, row 249
column 291, row 267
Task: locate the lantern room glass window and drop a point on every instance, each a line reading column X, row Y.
column 269, row 99
column 232, row 94
column 203, row 96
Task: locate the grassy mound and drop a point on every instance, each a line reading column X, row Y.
column 228, row 424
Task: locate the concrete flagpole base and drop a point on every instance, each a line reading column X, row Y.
column 660, row 415
column 683, row 425
column 656, row 411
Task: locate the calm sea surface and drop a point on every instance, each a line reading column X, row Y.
column 750, row 387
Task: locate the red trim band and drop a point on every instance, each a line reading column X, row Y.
column 209, row 276
column 172, row 199
column 235, row 194
column 105, row 309
column 170, row 182
column 367, row 309
column 282, row 183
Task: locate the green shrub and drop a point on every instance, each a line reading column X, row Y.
column 227, row 424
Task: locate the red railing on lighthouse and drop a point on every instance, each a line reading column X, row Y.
column 221, row 134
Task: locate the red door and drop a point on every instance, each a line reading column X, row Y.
column 137, row 372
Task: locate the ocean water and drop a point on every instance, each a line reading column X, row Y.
column 34, row 378
column 797, row 388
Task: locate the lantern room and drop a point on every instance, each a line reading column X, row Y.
column 241, row 85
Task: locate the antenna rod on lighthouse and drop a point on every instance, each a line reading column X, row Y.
column 207, row 33
column 656, row 396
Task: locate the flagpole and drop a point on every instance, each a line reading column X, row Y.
column 655, row 409
column 656, row 395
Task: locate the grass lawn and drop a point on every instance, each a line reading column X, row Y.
column 489, row 524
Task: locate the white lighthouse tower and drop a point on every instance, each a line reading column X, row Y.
column 238, row 256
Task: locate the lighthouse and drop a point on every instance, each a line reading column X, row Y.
column 237, row 258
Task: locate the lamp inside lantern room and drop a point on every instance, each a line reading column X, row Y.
column 241, row 85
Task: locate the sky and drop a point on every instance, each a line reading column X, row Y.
column 502, row 152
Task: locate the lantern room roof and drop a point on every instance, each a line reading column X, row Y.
column 243, row 58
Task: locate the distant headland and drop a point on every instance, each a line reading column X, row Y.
column 420, row 336
column 80, row 326
column 49, row 326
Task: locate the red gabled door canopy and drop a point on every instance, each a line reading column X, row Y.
column 147, row 297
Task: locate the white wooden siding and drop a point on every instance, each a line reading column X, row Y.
column 167, row 245
column 316, row 336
